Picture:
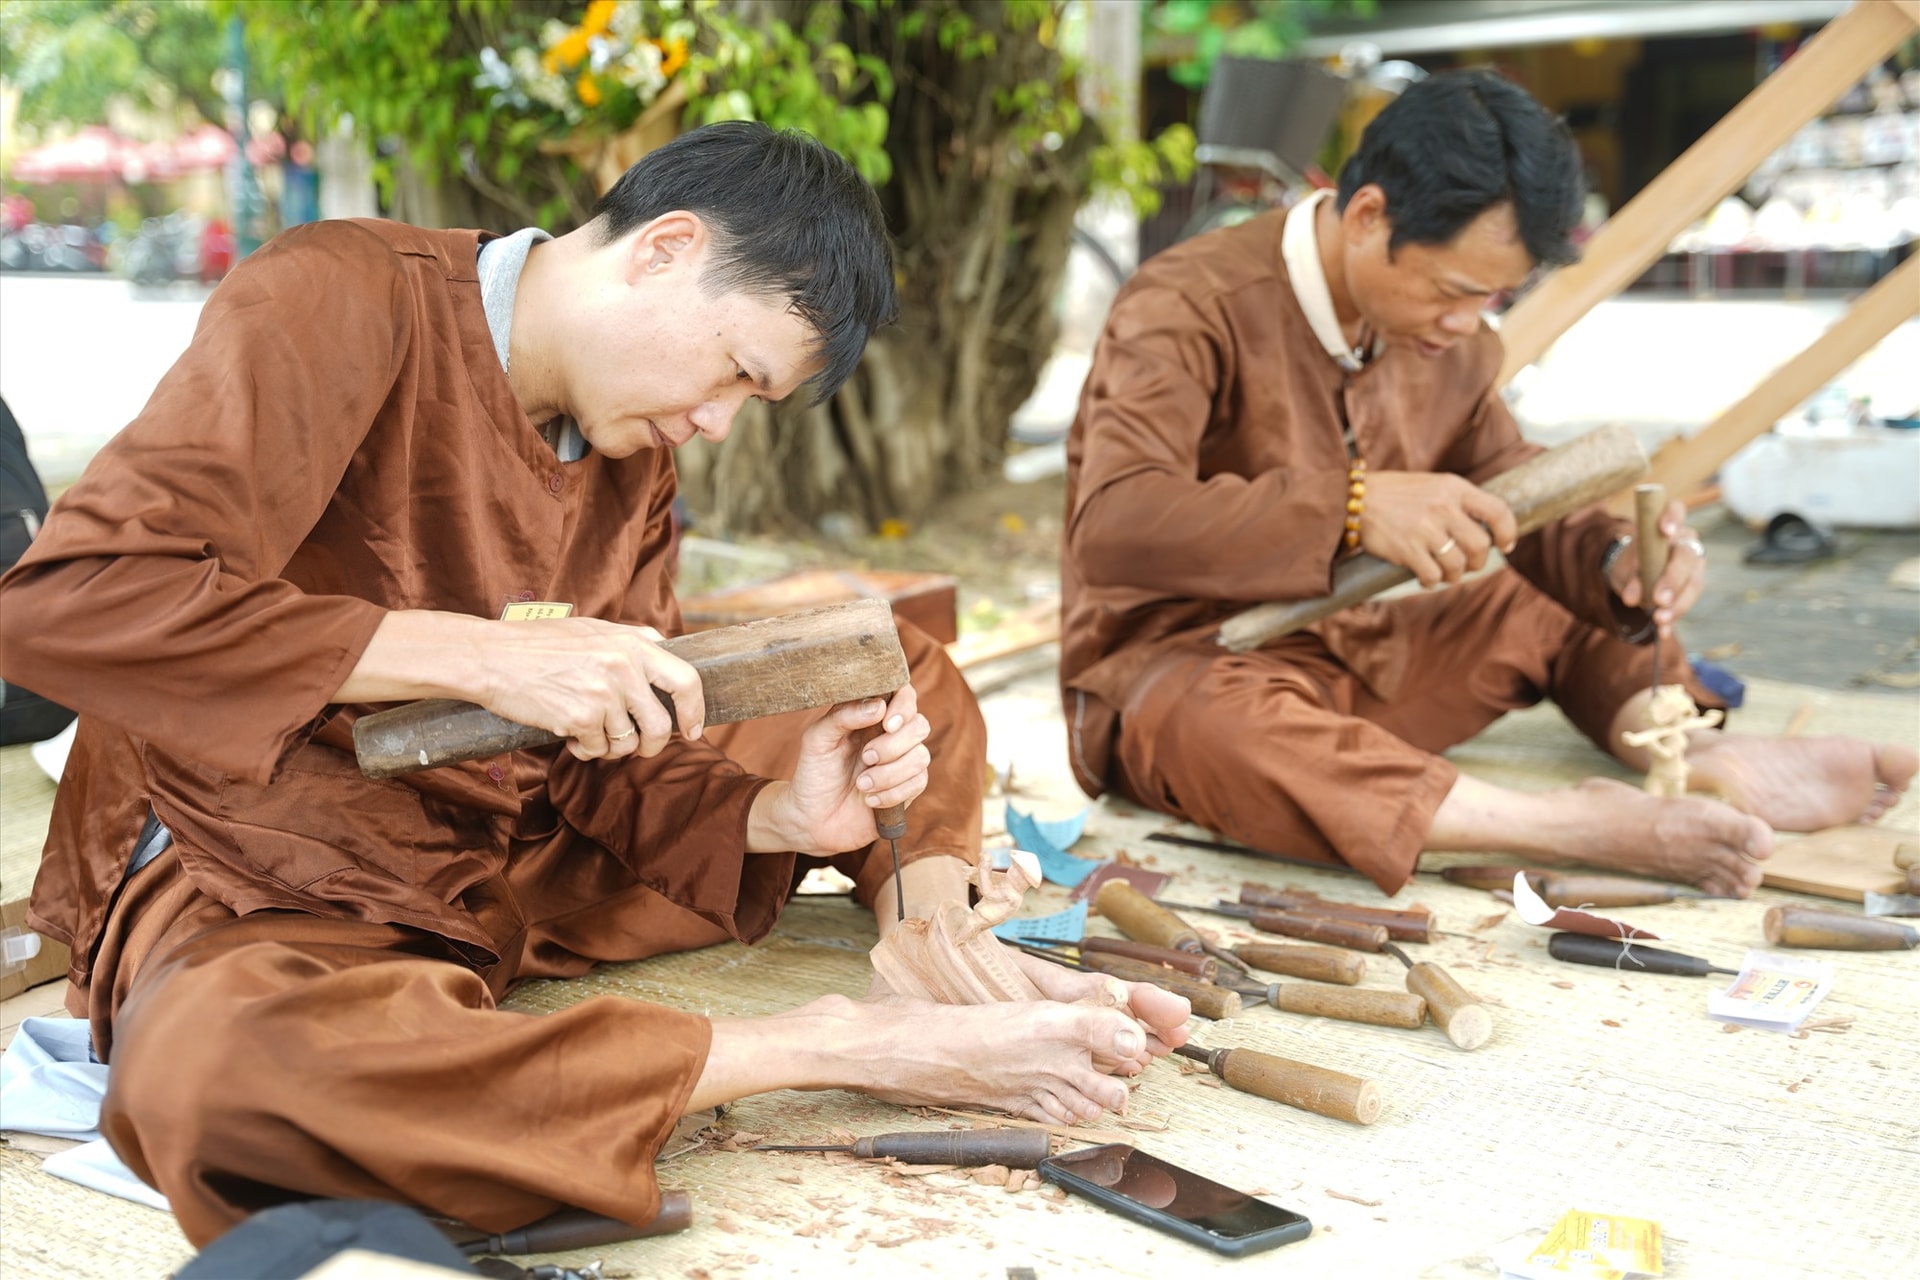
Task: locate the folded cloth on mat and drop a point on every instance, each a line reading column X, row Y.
column 50, row 1085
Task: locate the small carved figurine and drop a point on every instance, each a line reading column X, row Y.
column 1671, row 716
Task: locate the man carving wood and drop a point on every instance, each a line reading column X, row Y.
column 397, row 464
column 1272, row 397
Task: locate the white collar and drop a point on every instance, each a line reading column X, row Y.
column 1300, row 250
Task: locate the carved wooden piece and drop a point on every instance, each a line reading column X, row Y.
column 1671, row 716
column 1539, row 491
column 953, row 957
column 764, row 668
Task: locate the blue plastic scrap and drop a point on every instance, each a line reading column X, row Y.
column 1064, row 926
column 1055, row 864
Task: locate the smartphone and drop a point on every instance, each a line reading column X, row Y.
column 1178, row 1201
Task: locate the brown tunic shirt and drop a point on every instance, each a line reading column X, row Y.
column 1207, row 467
column 340, row 440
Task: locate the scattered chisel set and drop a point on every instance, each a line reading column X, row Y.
column 1326, row 949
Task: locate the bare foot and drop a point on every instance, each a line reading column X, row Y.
column 1691, row 840
column 1036, row 1059
column 1802, row 784
column 1608, row 824
column 1162, row 1013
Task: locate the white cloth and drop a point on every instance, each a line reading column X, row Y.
column 50, row 1085
column 1300, row 249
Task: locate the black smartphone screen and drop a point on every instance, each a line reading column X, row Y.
column 1165, row 1195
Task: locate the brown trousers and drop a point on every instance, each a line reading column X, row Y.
column 1324, row 745
column 279, row 1056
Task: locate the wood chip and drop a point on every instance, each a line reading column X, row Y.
column 741, row 1140
column 992, row 1175
column 1487, row 922
column 1608, row 1022
column 1341, row 1195
column 1564, row 985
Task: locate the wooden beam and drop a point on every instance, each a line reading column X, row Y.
column 1805, row 85
column 1683, row 464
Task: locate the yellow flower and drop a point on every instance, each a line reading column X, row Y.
column 589, row 91
column 673, row 56
column 599, row 17
column 569, row 52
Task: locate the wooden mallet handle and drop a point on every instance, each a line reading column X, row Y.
column 1539, row 491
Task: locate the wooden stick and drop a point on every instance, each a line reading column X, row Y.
column 1684, row 463
column 1540, row 490
column 1829, row 64
column 768, row 667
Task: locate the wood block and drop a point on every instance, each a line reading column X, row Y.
column 927, row 600
column 1840, row 862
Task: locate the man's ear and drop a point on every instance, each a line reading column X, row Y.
column 1366, row 213
column 672, row 240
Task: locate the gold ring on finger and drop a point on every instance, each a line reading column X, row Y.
column 1445, row 547
column 621, row 737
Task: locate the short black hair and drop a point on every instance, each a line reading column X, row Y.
column 1456, row 144
column 791, row 219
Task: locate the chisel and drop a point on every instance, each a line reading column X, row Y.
column 1144, row 920
column 1575, row 889
column 1203, row 967
column 1298, row 1084
column 1610, row 953
column 1648, row 500
column 1376, row 1008
column 1464, row 1019
column 1402, row 926
column 1321, row 964
column 1836, row 931
column 968, row 1148
column 1206, row 1000
column 1292, row 924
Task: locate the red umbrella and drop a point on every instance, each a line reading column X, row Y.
column 93, row 154
column 208, row 147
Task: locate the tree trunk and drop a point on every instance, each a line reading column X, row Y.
column 982, row 223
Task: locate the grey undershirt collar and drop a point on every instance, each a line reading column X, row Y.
column 500, row 264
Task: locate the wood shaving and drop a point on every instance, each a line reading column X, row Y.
column 1564, row 985
column 1487, row 922
column 741, row 1140
column 1730, row 1028
column 1341, row 1195
column 992, row 1175
column 1608, row 1022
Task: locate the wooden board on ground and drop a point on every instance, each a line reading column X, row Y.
column 1840, row 862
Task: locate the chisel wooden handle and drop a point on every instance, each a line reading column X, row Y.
column 1377, row 1008
column 1298, row 1084
column 969, row 1148
column 1538, row 491
column 1321, row 964
column 1401, row 926
column 1142, row 919
column 1649, row 500
column 771, row 666
column 1193, row 963
column 1337, row 933
column 1208, row 1001
column 1464, row 1019
column 1559, row 890
column 1836, row 931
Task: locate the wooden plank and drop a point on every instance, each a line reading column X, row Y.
column 1685, row 463
column 1627, row 243
column 1840, row 862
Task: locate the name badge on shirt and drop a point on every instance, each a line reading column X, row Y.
column 534, row 610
